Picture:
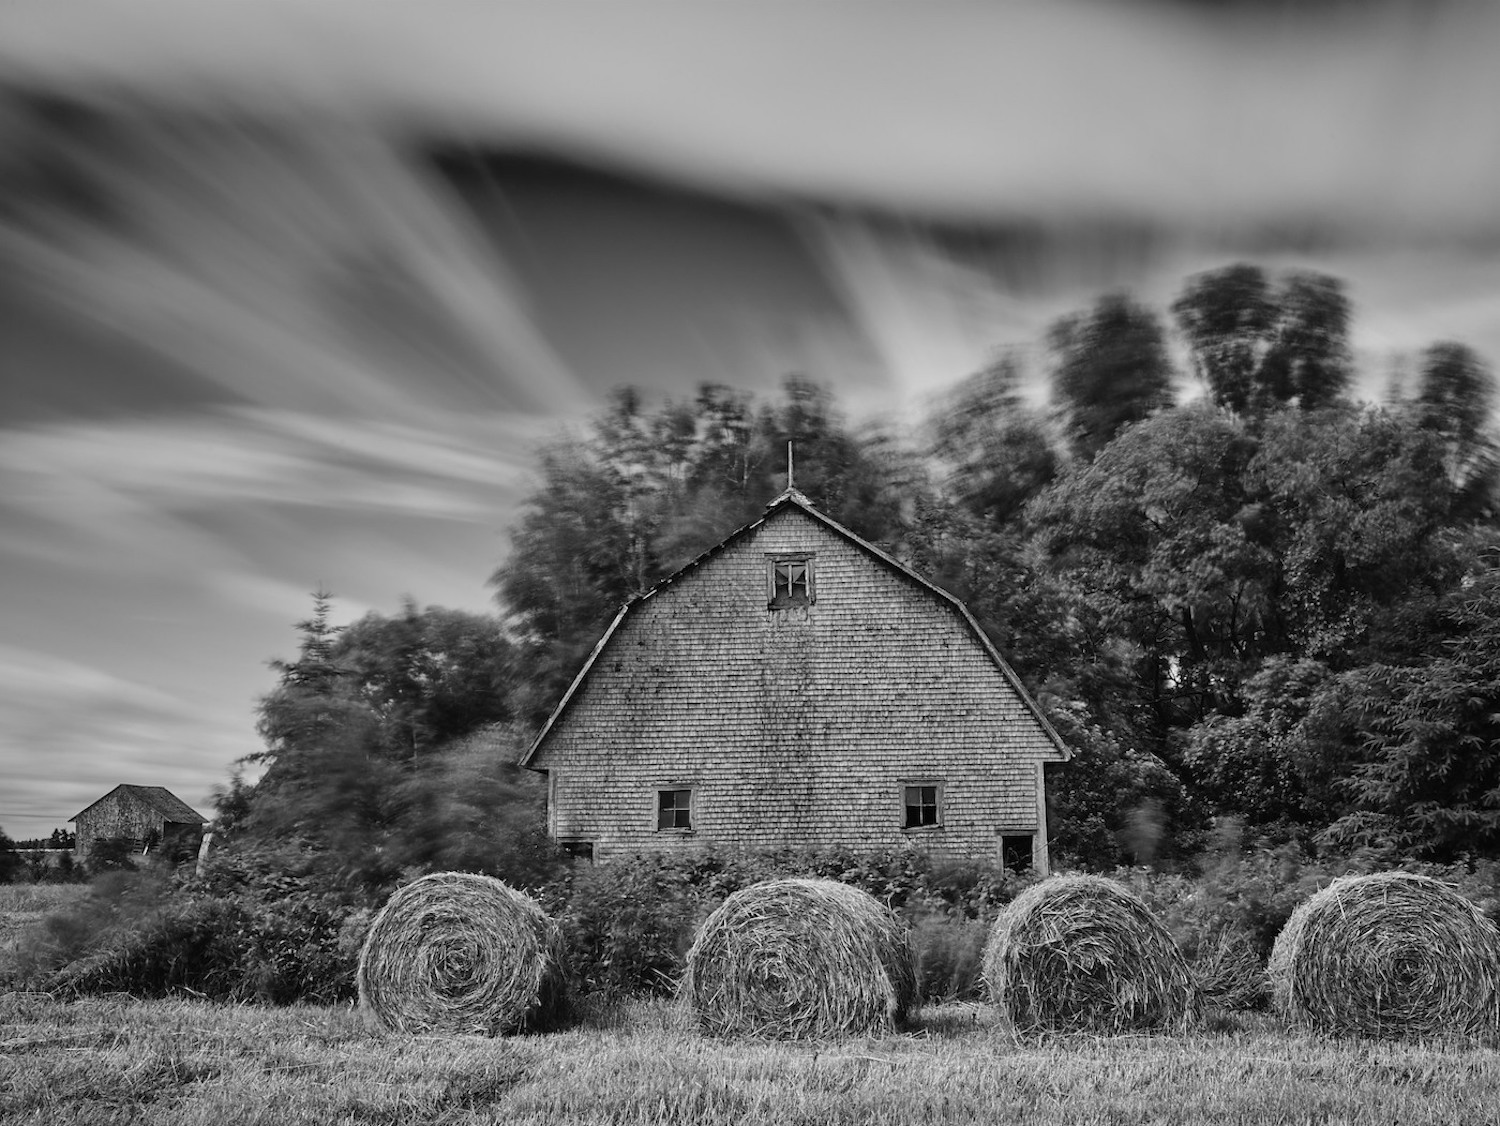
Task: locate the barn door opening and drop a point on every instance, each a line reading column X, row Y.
column 1015, row 852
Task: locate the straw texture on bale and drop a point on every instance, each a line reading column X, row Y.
column 1389, row 955
column 459, row 953
column 1084, row 954
column 801, row 959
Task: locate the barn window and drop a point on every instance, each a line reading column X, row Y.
column 791, row 580
column 674, row 809
column 924, row 804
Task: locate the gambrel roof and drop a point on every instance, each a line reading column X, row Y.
column 794, row 500
column 160, row 799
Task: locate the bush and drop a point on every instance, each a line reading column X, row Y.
column 629, row 924
column 112, row 854
column 250, row 929
column 10, row 864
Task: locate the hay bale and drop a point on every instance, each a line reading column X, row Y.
column 459, row 953
column 1388, row 955
column 801, row 959
column 1082, row 953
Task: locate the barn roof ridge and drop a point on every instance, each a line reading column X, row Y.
column 794, row 498
column 161, row 799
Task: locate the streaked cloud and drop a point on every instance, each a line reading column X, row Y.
column 106, row 476
column 1369, row 115
column 291, row 264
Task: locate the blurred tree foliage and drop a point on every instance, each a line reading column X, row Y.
column 390, row 746
column 644, row 492
column 1260, row 346
column 10, row 863
column 1112, row 368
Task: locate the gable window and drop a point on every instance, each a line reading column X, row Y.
column 674, row 809
column 791, row 580
column 924, row 804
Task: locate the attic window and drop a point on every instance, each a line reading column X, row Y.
column 924, row 805
column 791, row 580
column 674, row 810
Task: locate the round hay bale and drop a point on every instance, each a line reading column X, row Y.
column 801, row 959
column 1389, row 955
column 458, row 953
column 1082, row 953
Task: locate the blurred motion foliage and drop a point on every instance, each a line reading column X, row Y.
column 644, row 492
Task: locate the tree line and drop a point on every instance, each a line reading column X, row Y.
column 1263, row 600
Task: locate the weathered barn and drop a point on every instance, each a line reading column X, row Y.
column 140, row 815
column 796, row 686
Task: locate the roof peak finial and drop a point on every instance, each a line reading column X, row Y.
column 791, row 483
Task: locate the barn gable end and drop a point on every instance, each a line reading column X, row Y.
column 709, row 713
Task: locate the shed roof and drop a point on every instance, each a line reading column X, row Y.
column 792, row 498
column 164, row 801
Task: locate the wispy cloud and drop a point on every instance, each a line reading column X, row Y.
column 105, row 476
column 291, row 264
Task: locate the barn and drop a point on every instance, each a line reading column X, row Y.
column 797, row 686
column 145, row 816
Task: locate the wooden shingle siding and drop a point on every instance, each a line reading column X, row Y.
column 794, row 726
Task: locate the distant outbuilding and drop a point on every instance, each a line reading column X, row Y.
column 145, row 816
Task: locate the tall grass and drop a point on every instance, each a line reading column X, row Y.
column 26, row 900
column 22, row 909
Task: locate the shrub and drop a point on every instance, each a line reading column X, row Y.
column 251, row 929
column 629, row 924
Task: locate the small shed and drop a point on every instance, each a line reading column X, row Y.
column 146, row 816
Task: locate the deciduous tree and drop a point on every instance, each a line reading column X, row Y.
column 1260, row 346
column 1111, row 368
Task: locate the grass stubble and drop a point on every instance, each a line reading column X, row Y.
column 114, row 1059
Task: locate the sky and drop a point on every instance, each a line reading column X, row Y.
column 291, row 292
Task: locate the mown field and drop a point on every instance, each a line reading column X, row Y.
column 115, row 1059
